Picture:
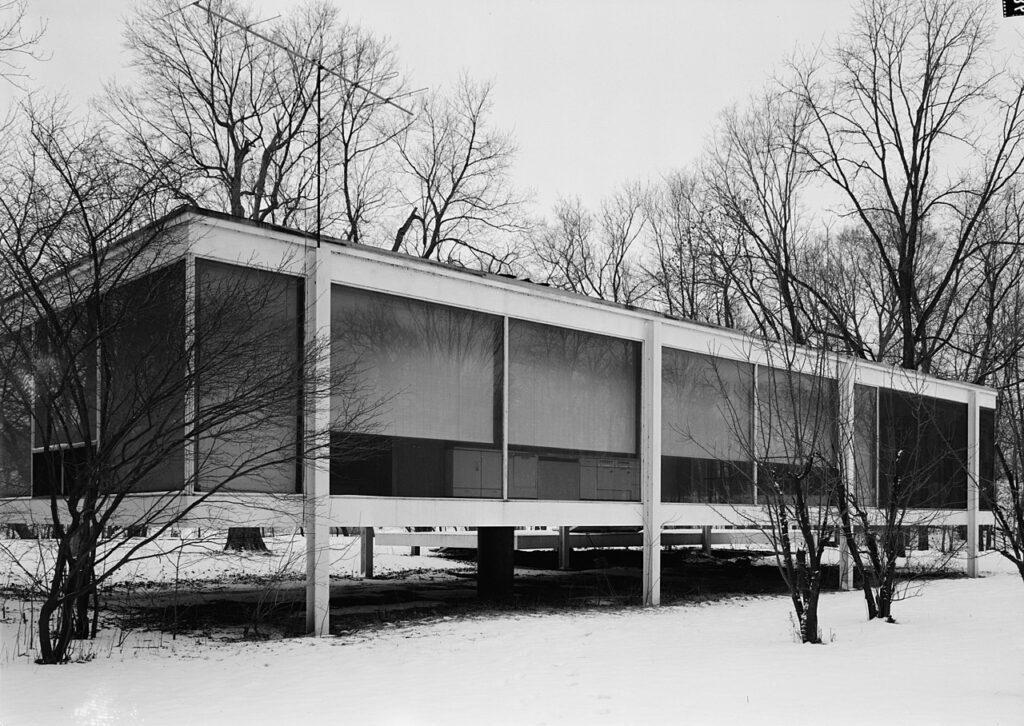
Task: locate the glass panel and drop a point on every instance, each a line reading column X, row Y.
column 987, row 456
column 65, row 386
column 426, row 371
column 573, row 414
column 249, row 330
column 572, row 390
column 865, row 444
column 922, row 452
column 415, row 409
column 48, row 473
column 797, row 436
column 144, row 372
column 15, row 433
column 707, row 418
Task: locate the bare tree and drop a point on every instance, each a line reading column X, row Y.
column 1006, row 498
column 755, row 174
column 17, row 43
column 910, row 463
column 986, row 326
column 237, row 122
column 456, row 172
column 693, row 263
column 894, row 112
column 782, row 455
column 596, row 255
column 795, row 450
column 359, row 128
column 107, row 371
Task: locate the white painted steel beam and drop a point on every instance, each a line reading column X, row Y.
column 847, row 468
column 973, row 471
column 650, row 462
column 316, row 472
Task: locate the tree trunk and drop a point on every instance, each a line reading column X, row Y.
column 859, row 566
column 246, row 539
column 811, row 634
column 85, row 585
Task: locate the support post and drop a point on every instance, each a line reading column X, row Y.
column 847, row 454
column 564, row 548
column 316, row 469
column 650, row 463
column 366, row 551
column 705, row 539
column 495, row 572
column 973, row 471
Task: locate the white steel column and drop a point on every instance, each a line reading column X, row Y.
column 650, row 462
column 316, row 472
column 847, row 423
column 972, row 483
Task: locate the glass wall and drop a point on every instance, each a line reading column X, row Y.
column 249, row 331
column 65, row 380
column 15, row 430
column 797, row 436
column 865, row 445
column 573, row 414
column 416, row 399
column 143, row 382
column 987, row 457
column 922, row 451
column 707, row 419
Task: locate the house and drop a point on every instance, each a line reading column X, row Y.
column 390, row 391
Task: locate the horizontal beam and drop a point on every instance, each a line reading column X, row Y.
column 548, row 539
column 285, row 510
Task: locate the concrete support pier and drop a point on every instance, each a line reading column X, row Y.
column 366, row 551
column 564, row 548
column 495, row 573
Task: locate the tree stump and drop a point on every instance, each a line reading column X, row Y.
column 246, row 539
column 23, row 531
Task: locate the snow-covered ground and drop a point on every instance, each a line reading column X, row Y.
column 956, row 656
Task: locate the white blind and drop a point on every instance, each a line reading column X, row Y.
column 572, row 390
column 414, row 369
column 706, row 406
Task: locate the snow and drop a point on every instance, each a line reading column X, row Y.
column 955, row 656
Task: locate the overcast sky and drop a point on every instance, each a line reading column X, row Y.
column 595, row 92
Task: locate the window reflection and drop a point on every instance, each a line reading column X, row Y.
column 797, row 435
column 249, row 330
column 707, row 414
column 922, row 453
column 573, row 414
column 416, row 406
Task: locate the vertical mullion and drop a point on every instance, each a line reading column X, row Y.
column 877, row 445
column 755, row 428
column 504, row 409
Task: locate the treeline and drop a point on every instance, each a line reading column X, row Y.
column 867, row 201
